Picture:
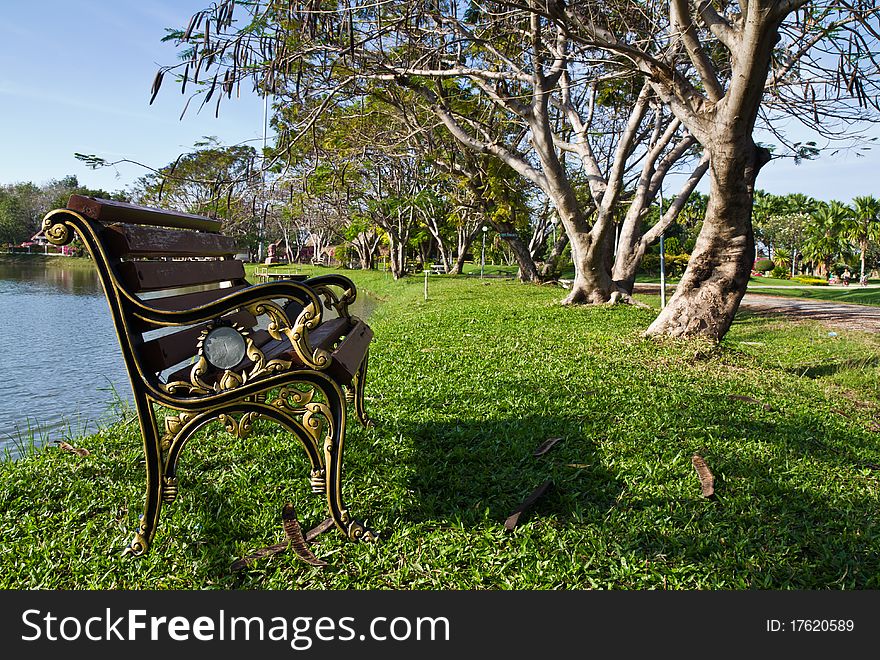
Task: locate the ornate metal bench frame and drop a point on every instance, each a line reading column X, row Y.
column 297, row 388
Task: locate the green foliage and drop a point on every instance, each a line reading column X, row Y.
column 675, row 264
column 23, row 205
column 15, row 223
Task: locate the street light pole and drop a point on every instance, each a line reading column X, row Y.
column 483, row 254
column 662, row 259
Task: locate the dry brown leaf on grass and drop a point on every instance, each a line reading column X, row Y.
column 707, row 480
column 513, row 519
column 66, row 446
column 297, row 542
column 295, row 539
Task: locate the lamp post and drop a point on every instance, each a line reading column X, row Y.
column 662, row 259
column 483, row 254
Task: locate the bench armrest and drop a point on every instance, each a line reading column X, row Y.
column 325, row 286
column 259, row 300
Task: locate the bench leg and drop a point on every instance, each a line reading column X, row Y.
column 357, row 384
column 140, row 544
column 333, row 449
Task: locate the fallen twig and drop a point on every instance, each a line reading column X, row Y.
column 546, row 446
column 513, row 519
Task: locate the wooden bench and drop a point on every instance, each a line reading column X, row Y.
column 201, row 344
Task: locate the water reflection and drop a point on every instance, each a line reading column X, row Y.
column 60, row 363
column 49, row 277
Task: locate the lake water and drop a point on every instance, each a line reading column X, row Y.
column 60, row 364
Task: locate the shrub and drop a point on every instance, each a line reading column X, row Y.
column 812, row 281
column 763, row 265
column 675, row 264
column 780, row 272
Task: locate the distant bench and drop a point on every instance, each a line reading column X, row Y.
column 266, row 274
column 201, row 342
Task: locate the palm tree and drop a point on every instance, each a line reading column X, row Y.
column 765, row 207
column 781, row 258
column 863, row 227
column 798, row 209
column 823, row 241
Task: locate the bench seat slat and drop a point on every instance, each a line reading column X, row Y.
column 105, row 210
column 138, row 241
column 154, row 275
column 348, row 357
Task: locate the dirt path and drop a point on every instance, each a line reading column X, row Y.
column 832, row 314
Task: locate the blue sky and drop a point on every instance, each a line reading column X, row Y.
column 75, row 76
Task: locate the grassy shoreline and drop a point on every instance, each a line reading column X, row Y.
column 51, row 260
column 463, row 387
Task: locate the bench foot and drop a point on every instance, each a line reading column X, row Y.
column 358, row 531
column 139, row 546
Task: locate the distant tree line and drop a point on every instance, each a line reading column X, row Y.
column 801, row 234
column 23, row 205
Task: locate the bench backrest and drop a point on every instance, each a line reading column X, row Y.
column 174, row 261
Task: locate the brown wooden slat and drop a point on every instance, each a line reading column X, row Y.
column 348, row 357
column 163, row 352
column 139, row 241
column 187, row 301
column 153, row 275
column 180, row 303
column 105, row 210
column 326, row 334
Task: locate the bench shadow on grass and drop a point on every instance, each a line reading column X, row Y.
column 477, row 471
column 771, row 526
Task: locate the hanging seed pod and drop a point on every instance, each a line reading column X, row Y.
column 185, row 106
column 157, row 83
column 211, row 90
column 193, row 25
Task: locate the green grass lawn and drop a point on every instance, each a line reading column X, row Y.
column 463, row 388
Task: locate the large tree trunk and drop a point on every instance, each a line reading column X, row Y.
column 632, row 244
column 710, row 291
column 592, row 280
